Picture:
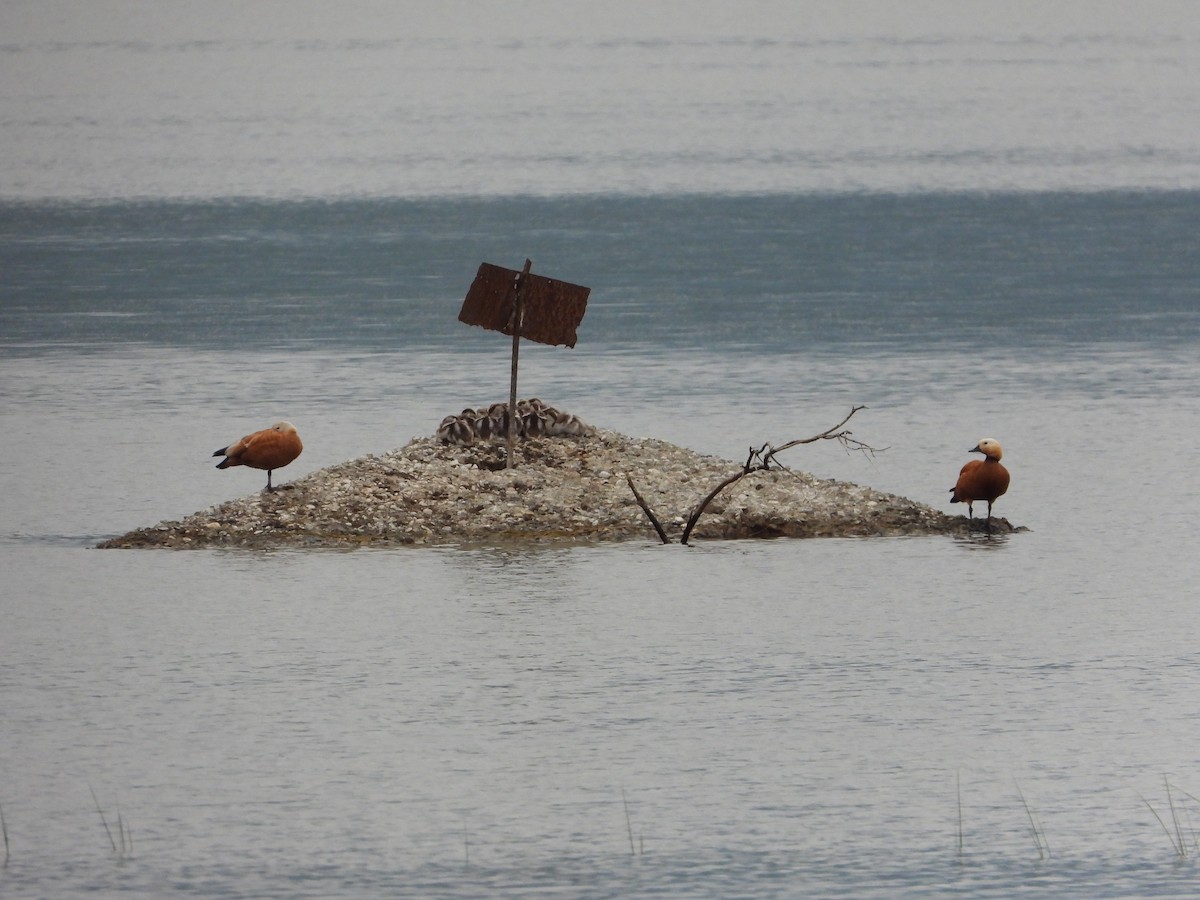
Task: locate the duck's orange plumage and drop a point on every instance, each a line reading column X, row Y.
column 981, row 479
column 270, row 449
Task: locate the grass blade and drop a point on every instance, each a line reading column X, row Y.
column 958, row 787
column 103, row 820
column 628, row 823
column 1166, row 830
column 1039, row 835
column 1179, row 844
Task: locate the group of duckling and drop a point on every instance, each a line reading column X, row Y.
column 534, row 419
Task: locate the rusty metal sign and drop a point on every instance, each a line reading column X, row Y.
column 521, row 304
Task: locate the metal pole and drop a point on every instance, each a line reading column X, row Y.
column 518, row 316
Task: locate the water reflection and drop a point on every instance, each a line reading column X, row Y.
column 982, row 540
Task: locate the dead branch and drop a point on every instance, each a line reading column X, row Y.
column 699, row 511
column 646, row 509
column 759, row 460
column 766, row 454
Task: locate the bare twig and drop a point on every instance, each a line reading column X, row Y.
column 649, row 513
column 830, row 434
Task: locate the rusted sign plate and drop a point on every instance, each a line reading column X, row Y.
column 552, row 309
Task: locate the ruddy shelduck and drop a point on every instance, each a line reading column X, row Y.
column 981, row 479
column 270, row 449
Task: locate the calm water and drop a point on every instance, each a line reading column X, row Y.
column 780, row 717
column 767, row 209
column 121, row 98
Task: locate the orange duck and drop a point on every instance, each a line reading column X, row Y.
column 981, row 479
column 270, row 449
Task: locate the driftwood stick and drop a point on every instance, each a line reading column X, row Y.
column 649, row 512
column 699, row 511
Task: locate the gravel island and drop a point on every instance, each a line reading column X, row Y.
column 562, row 489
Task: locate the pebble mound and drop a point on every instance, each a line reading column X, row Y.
column 562, row 489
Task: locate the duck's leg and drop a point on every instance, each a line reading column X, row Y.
column 269, row 488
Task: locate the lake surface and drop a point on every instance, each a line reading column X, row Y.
column 780, row 717
column 128, row 98
column 928, row 717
